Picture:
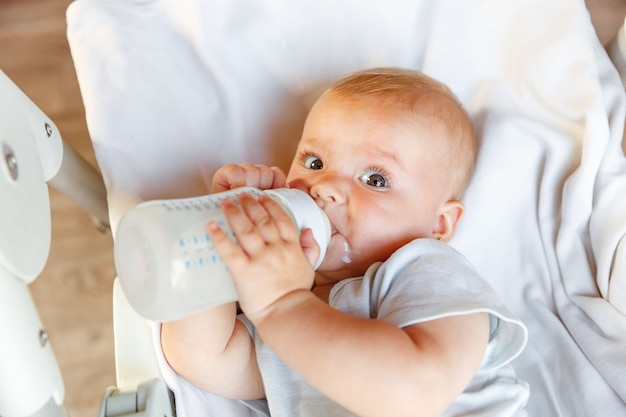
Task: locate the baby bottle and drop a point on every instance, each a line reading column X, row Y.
column 165, row 260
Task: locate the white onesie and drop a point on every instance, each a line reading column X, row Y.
column 422, row 281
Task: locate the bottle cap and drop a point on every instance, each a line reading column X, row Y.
column 306, row 214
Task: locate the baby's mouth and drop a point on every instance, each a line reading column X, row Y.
column 333, row 229
column 347, row 251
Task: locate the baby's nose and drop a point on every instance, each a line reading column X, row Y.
column 328, row 191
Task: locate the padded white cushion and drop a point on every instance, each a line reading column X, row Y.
column 175, row 88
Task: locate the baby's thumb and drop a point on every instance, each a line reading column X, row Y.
column 309, row 246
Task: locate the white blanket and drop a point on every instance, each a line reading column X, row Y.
column 175, row 88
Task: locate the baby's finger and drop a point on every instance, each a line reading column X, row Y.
column 279, row 178
column 225, row 247
column 228, row 177
column 282, row 221
column 253, row 174
column 270, row 177
column 309, row 246
column 246, row 231
column 260, row 217
column 247, row 175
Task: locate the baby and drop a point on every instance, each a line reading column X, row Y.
column 394, row 322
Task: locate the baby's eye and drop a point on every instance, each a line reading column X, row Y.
column 313, row 162
column 374, row 179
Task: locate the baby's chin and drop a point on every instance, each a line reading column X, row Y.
column 340, row 260
column 336, row 268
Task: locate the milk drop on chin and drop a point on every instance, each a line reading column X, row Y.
column 346, row 253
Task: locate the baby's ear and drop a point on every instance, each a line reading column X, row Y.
column 448, row 217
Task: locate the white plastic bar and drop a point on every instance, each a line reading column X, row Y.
column 81, row 182
column 30, row 377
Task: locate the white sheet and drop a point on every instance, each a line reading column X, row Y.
column 175, row 88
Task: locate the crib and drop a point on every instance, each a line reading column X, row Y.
column 174, row 89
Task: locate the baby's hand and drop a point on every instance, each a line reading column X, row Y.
column 247, row 175
column 271, row 258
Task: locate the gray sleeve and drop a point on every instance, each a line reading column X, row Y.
column 427, row 280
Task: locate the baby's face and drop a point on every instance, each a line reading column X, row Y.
column 370, row 168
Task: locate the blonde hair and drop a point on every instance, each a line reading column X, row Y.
column 421, row 95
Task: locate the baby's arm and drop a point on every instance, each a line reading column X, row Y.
column 212, row 349
column 369, row 366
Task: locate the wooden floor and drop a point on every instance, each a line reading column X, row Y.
column 74, row 292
